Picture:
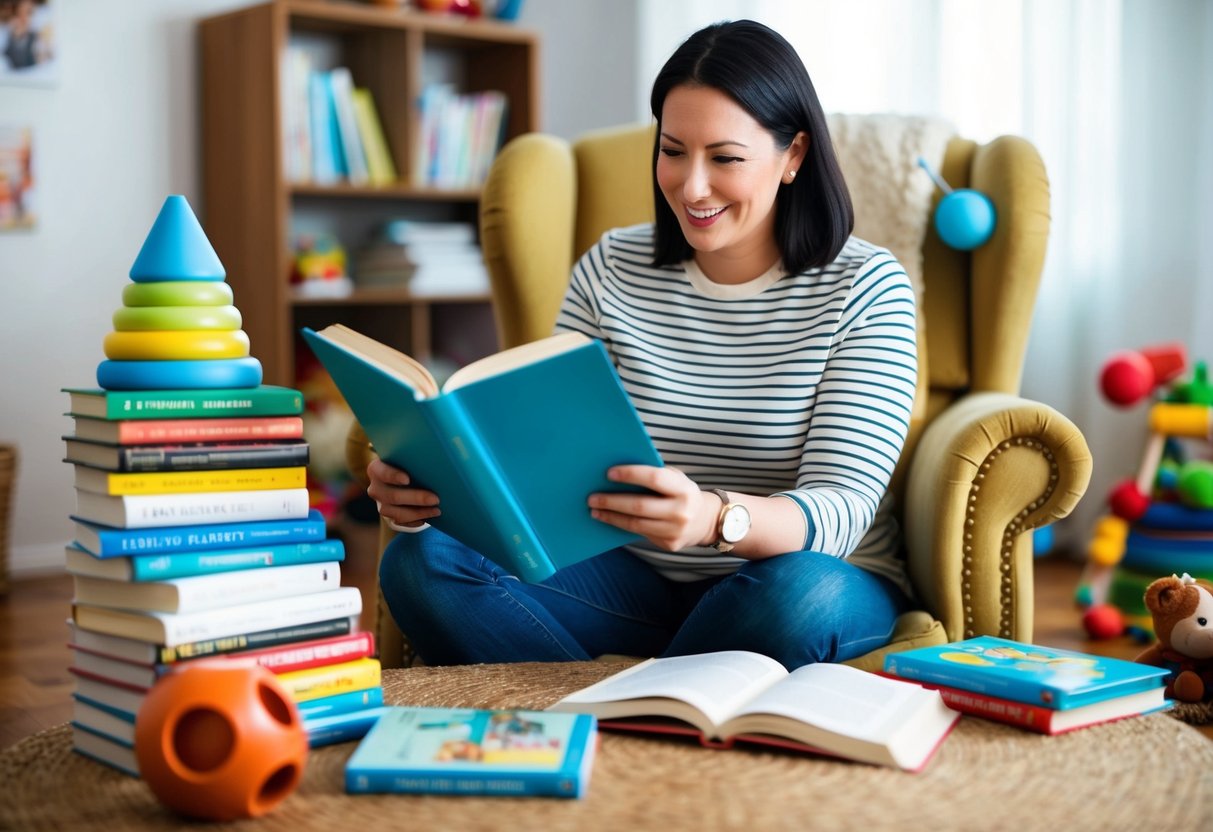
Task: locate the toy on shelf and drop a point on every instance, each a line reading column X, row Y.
column 220, row 742
column 319, row 268
column 1161, row 520
column 964, row 218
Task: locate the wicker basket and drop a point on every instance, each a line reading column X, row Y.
column 8, row 478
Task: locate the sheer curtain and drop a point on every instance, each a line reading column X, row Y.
column 1118, row 97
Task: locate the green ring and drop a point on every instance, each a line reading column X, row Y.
column 177, row 293
column 177, row 318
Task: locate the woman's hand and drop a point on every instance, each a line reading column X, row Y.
column 678, row 515
column 399, row 504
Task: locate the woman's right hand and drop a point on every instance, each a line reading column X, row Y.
column 403, row 506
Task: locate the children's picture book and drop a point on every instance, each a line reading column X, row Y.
column 513, row 444
column 415, row 750
column 736, row 696
column 1028, row 673
column 105, row 542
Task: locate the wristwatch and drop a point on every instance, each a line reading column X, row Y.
column 732, row 524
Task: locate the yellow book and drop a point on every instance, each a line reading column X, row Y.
column 331, row 679
column 98, row 481
column 374, row 143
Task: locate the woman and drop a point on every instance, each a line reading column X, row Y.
column 772, row 358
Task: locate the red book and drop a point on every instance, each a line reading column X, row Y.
column 304, row 654
column 158, row 431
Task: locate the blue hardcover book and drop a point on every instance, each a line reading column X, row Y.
column 1045, row 676
column 195, row 564
column 330, row 730
column 327, row 163
column 513, row 444
column 340, row 703
column 108, row 542
column 469, row 751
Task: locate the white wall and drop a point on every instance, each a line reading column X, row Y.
column 117, row 134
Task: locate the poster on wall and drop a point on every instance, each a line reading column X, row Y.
column 28, row 48
column 17, row 197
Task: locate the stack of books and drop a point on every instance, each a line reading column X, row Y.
column 194, row 537
column 1041, row 689
column 433, row 258
column 460, row 134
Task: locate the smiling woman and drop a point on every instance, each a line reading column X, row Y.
column 772, row 358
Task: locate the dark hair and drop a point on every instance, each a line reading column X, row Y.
column 756, row 67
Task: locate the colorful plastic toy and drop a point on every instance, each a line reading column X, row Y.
column 220, row 742
column 964, row 218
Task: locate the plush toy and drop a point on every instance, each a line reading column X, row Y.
column 1183, row 622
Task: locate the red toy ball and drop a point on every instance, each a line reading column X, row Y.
column 1127, row 502
column 220, row 742
column 1103, row 621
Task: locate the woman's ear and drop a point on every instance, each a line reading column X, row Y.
column 797, row 151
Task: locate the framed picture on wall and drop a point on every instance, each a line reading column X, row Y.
column 18, row 209
column 28, row 44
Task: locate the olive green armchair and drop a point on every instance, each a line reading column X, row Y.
column 982, row 467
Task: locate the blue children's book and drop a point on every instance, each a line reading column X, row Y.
column 513, row 444
column 173, row 565
column 107, row 542
column 469, row 751
column 1045, row 676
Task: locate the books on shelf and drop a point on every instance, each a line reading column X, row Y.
column 433, row 258
column 188, row 564
column 736, row 696
column 264, row 400
column 195, row 456
column 174, row 431
column 568, row 417
column 341, row 86
column 144, row 511
column 1040, row 689
column 415, row 750
column 460, row 134
column 105, row 542
column 381, row 170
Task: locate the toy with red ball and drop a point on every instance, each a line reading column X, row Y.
column 1132, row 375
column 220, row 741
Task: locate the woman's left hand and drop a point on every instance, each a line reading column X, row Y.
column 677, row 515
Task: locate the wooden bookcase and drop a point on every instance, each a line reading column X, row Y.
column 251, row 210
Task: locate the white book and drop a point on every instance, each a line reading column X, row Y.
column 145, row 511
column 103, row 668
column 341, row 82
column 172, row 629
column 208, row 592
column 105, row 750
column 102, row 721
column 114, row 697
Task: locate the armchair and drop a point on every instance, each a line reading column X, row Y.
column 982, row 467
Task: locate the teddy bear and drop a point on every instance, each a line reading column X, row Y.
column 1182, row 609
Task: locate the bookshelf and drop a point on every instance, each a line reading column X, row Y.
column 252, row 211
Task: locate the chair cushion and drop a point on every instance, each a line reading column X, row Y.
column 912, row 629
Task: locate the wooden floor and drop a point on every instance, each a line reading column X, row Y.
column 35, row 687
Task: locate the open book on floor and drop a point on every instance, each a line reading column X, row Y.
column 513, row 444
column 736, row 696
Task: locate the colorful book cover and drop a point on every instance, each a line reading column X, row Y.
column 266, row 400
column 331, row 679
column 1046, row 676
column 468, row 751
column 568, row 417
column 106, row 542
column 99, row 481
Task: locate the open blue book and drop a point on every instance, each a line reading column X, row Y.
column 470, row 751
column 513, row 444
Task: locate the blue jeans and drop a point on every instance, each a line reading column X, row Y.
column 458, row 607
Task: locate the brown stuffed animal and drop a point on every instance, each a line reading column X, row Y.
column 1183, row 622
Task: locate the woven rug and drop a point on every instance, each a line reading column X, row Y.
column 1150, row 772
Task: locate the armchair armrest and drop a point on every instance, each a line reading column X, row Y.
column 988, row 470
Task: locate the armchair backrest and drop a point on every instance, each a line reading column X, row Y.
column 546, row 201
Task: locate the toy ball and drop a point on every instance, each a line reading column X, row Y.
column 220, row 742
column 1195, row 484
column 965, row 219
column 1128, row 502
column 1103, row 621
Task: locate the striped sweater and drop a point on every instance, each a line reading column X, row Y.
column 797, row 385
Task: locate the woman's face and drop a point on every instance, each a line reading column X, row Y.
column 720, row 170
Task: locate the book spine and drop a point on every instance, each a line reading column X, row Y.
column 533, row 784
column 332, row 679
column 255, row 640
column 184, row 565
column 341, row 703
column 203, row 593
column 184, row 628
column 302, row 656
column 329, row 730
column 195, row 482
column 209, row 430
column 119, row 542
column 158, row 510
column 520, row 550
column 140, row 458
column 1020, row 714
column 178, row 404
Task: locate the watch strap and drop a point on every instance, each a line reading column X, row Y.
column 721, row 545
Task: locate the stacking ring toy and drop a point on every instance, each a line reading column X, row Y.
column 177, row 293
column 179, row 375
column 176, row 346
column 177, row 318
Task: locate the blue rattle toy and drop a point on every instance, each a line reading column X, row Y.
column 964, row 218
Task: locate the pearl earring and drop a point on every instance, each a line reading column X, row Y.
column 791, row 176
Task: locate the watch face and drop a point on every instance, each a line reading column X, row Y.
column 736, row 523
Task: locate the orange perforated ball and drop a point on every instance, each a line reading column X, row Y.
column 220, row 741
